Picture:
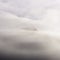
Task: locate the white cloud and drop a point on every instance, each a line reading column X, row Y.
column 42, row 12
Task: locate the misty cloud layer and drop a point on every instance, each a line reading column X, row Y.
column 30, row 27
column 40, row 14
column 34, row 9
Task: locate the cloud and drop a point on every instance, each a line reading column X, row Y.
column 34, row 9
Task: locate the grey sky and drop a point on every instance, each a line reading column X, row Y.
column 46, row 11
column 34, row 9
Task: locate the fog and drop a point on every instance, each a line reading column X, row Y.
column 45, row 13
column 30, row 28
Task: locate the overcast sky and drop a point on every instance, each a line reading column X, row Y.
column 47, row 11
column 35, row 9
